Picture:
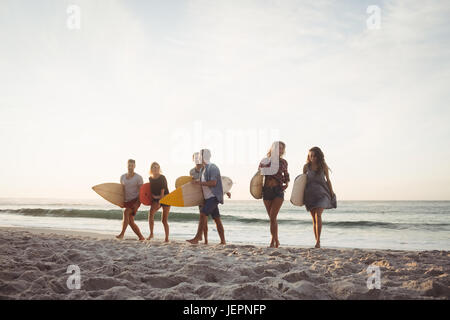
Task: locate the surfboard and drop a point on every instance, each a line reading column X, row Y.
column 112, row 192
column 227, row 183
column 298, row 190
column 182, row 180
column 256, row 185
column 145, row 194
column 189, row 194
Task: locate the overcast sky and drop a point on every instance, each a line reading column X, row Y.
column 158, row 80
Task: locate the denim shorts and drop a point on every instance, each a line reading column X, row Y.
column 270, row 193
column 211, row 207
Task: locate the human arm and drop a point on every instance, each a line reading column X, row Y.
column 330, row 187
column 211, row 183
column 140, row 183
column 213, row 176
column 285, row 174
column 164, row 187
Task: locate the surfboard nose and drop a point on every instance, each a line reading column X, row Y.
column 175, row 198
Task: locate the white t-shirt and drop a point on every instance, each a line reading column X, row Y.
column 132, row 186
column 207, row 193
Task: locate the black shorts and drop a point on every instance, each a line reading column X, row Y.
column 270, row 193
column 157, row 201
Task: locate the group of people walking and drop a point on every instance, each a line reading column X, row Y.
column 318, row 194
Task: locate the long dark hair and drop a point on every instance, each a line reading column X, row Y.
column 320, row 159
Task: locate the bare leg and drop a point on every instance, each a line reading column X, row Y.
column 220, row 230
column 318, row 225
column 125, row 222
column 164, row 220
column 268, row 205
column 205, row 231
column 313, row 215
column 135, row 228
column 151, row 218
column 276, row 205
column 201, row 226
column 199, row 221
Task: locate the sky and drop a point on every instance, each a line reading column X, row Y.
column 83, row 91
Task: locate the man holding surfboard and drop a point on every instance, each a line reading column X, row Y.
column 195, row 173
column 211, row 183
column 132, row 183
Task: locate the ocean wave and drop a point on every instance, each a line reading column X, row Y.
column 174, row 216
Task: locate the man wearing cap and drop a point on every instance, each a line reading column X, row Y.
column 211, row 183
column 195, row 173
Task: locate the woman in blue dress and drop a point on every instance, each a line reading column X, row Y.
column 319, row 193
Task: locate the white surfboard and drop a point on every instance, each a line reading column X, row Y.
column 112, row 192
column 256, row 185
column 298, row 190
column 227, row 183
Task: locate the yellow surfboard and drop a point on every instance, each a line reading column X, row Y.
column 182, row 180
column 187, row 195
column 190, row 195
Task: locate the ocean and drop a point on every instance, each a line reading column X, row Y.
column 404, row 225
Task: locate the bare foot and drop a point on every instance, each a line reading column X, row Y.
column 193, row 241
column 142, row 239
column 166, row 240
column 150, row 237
column 223, row 242
column 206, row 241
column 317, row 244
column 120, row 237
column 277, row 244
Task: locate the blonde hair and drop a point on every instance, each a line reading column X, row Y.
column 155, row 163
column 279, row 143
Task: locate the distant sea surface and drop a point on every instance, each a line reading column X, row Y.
column 405, row 225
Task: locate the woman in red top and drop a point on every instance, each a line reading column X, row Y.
column 275, row 183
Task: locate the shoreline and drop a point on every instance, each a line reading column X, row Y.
column 111, row 236
column 34, row 265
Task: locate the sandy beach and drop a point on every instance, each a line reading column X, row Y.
column 34, row 263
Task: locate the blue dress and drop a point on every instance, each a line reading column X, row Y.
column 317, row 193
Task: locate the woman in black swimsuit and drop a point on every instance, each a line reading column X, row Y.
column 158, row 186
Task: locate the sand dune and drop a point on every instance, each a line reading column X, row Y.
column 33, row 265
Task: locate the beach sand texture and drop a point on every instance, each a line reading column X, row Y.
column 33, row 265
